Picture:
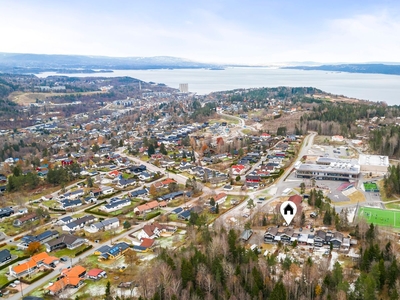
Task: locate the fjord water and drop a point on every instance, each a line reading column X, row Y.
column 373, row 87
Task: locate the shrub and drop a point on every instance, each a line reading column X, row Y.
column 83, row 250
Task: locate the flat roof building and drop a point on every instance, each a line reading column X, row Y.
column 335, row 170
column 373, row 163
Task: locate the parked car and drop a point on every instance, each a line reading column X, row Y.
column 64, row 259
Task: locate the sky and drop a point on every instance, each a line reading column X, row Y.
column 256, row 32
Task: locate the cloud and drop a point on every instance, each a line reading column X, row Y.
column 209, row 33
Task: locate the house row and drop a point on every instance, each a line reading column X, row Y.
column 319, row 239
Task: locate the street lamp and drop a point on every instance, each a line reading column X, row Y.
column 20, row 285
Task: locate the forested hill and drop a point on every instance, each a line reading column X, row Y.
column 354, row 68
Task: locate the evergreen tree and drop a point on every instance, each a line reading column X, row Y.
column 279, row 292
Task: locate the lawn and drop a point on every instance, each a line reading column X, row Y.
column 371, row 187
column 3, row 276
column 14, row 250
column 50, row 203
column 68, row 252
column 380, row 217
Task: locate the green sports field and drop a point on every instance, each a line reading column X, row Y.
column 381, row 217
column 370, row 186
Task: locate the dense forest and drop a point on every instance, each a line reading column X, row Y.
column 391, row 181
column 385, row 140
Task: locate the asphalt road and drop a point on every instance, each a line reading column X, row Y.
column 236, row 212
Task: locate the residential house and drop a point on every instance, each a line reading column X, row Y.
column 184, row 215
column 238, row 169
column 103, row 190
column 171, row 196
column 115, row 251
column 319, row 238
column 220, row 198
column 104, row 225
column 102, row 249
column 72, row 195
column 253, row 178
column 345, row 244
column 65, row 220
column 286, row 235
column 124, row 183
column 137, row 169
column 5, row 256
column 154, row 231
column 270, row 234
column 23, row 220
column 41, row 238
column 138, row 193
column 116, row 205
column 114, row 174
column 71, row 278
column 144, row 176
column 147, row 207
column 30, row 266
column 68, row 241
column 246, row 234
column 6, row 212
column 70, row 204
column 96, row 274
column 78, row 223
column 337, row 240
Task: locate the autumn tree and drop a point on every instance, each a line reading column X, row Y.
column 33, row 247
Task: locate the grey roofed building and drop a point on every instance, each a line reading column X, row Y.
column 105, row 224
column 64, row 241
column 5, row 255
column 334, row 171
column 103, row 249
column 246, row 234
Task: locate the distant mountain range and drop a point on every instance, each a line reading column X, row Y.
column 35, row 63
column 23, row 63
column 353, row 68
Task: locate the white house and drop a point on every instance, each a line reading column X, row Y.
column 154, row 231
column 337, row 138
column 220, row 198
column 115, row 205
column 103, row 225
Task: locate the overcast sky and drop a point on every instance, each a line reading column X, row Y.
column 248, row 32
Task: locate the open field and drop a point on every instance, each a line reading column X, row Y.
column 381, row 217
column 28, row 98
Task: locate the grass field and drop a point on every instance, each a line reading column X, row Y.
column 370, row 186
column 380, row 217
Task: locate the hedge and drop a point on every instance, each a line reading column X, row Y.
column 83, row 250
column 99, row 213
column 153, row 215
column 3, row 244
column 45, row 273
column 57, row 209
column 94, row 206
